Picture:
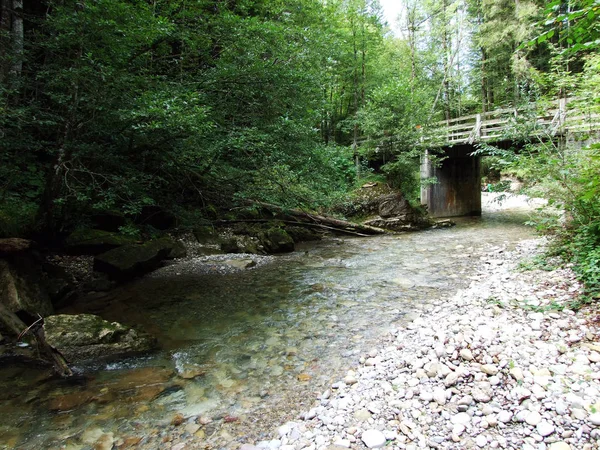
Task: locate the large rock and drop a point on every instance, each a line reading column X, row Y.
column 93, row 242
column 86, row 336
column 242, row 244
column 395, row 205
column 21, row 286
column 10, row 246
column 303, row 234
column 132, row 260
column 276, row 240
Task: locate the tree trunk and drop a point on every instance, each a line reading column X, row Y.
column 17, row 37
column 355, row 82
column 5, row 30
column 326, row 221
column 484, row 88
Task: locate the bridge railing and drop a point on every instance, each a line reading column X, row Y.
column 561, row 117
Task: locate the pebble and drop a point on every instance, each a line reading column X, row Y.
column 463, row 374
column 533, row 418
column 545, row 428
column 373, row 439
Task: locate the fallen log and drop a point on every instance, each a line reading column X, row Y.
column 326, row 221
column 294, row 222
column 48, row 353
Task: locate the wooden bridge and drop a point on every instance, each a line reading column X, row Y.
column 561, row 117
column 457, row 191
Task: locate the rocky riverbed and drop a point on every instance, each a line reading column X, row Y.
column 503, row 363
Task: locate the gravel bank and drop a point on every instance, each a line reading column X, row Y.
column 497, row 365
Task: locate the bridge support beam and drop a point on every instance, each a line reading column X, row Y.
column 458, row 188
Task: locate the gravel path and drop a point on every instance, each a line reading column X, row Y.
column 500, row 364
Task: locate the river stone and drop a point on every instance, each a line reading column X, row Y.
column 545, row 428
column 533, row 418
column 559, row 446
column 373, row 439
column 595, row 419
column 461, row 418
column 276, row 240
column 10, row 246
column 466, row 354
column 517, row 373
column 133, row 260
column 86, row 336
column 489, row 369
column 481, row 441
column 362, row 415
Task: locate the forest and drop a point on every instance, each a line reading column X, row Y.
column 202, row 107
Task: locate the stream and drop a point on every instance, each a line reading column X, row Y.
column 241, row 353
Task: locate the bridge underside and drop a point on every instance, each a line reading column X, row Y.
column 458, row 188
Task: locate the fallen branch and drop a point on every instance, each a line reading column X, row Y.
column 46, row 351
column 294, row 222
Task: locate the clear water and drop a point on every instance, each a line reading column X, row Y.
column 247, row 350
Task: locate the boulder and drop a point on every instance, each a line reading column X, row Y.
column 84, row 337
column 394, row 205
column 178, row 250
column 21, row 286
column 133, row 260
column 242, row 244
column 303, row 234
column 276, row 240
column 11, row 246
column 206, row 235
column 94, row 242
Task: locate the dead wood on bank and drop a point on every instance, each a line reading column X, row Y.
column 48, row 353
column 299, row 217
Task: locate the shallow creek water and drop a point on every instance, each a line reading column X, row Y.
column 246, row 350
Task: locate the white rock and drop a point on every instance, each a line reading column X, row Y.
column 466, row 354
column 505, row 416
column 595, row 419
column 481, row 441
column 451, row 379
column 342, row 443
column 545, row 428
column 533, row 418
column 461, row 418
column 489, row 369
column 439, row 395
column 373, row 439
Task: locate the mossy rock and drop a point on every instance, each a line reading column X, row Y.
column 242, row 244
column 205, row 235
column 132, row 260
column 94, row 242
column 84, row 337
column 302, row 234
column 276, row 240
column 178, row 250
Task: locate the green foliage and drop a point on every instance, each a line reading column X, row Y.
column 403, row 174
column 576, row 25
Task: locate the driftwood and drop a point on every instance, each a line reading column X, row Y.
column 328, row 222
column 46, row 351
